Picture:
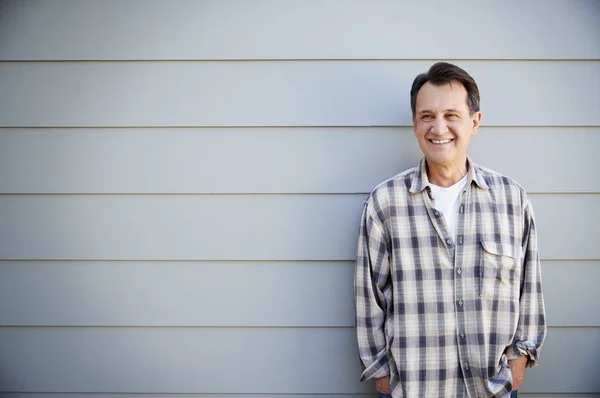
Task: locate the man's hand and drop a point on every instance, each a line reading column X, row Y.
column 517, row 368
column 383, row 385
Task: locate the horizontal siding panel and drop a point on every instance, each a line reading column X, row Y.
column 182, row 360
column 317, row 93
column 552, row 375
column 239, row 395
column 188, row 227
column 315, row 294
column 579, row 308
column 236, row 227
column 551, row 395
column 37, row 30
column 554, row 395
column 275, row 160
column 50, row 395
column 177, row 294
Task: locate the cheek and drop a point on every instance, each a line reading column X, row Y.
column 420, row 129
column 461, row 131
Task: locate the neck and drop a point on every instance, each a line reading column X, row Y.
column 445, row 175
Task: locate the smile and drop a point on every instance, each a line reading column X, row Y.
column 440, row 142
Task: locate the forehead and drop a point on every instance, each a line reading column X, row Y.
column 442, row 97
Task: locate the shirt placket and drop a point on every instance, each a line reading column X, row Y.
column 459, row 299
column 437, row 220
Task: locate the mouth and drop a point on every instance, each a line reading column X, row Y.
column 440, row 142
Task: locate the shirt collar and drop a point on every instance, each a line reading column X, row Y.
column 420, row 180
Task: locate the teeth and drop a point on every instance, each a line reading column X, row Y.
column 440, row 141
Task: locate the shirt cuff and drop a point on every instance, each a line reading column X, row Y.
column 378, row 368
column 520, row 348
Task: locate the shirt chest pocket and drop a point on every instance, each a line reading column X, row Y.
column 500, row 270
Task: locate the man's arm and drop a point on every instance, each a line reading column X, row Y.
column 531, row 327
column 372, row 292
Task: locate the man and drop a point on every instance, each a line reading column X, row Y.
column 448, row 285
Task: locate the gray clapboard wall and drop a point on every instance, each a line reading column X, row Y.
column 181, row 182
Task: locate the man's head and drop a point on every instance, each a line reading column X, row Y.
column 442, row 73
column 445, row 107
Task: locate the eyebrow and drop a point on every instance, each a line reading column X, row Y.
column 446, row 110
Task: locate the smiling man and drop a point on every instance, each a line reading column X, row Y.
column 448, row 282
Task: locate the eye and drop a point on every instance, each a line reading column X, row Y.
column 452, row 116
column 426, row 117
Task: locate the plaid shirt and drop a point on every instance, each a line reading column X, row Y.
column 443, row 317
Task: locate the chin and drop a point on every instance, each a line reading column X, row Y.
column 437, row 158
column 443, row 161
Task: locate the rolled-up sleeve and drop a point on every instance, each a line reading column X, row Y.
column 531, row 328
column 372, row 294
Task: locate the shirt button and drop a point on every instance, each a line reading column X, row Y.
column 437, row 213
column 462, row 334
column 459, row 271
column 460, row 240
column 467, row 365
column 462, row 209
column 460, row 303
column 449, row 242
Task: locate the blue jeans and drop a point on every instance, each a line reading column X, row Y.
column 512, row 395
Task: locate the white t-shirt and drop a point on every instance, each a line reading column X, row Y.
column 446, row 200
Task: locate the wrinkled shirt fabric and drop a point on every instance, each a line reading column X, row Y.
column 443, row 316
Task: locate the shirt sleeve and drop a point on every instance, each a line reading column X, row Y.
column 372, row 295
column 531, row 328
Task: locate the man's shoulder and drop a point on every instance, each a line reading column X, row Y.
column 394, row 190
column 397, row 185
column 499, row 181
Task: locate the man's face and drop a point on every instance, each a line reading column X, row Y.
column 443, row 125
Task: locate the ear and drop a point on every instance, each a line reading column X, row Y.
column 476, row 119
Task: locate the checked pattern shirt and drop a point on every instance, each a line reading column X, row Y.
column 442, row 317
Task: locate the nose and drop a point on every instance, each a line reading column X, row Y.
column 438, row 126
